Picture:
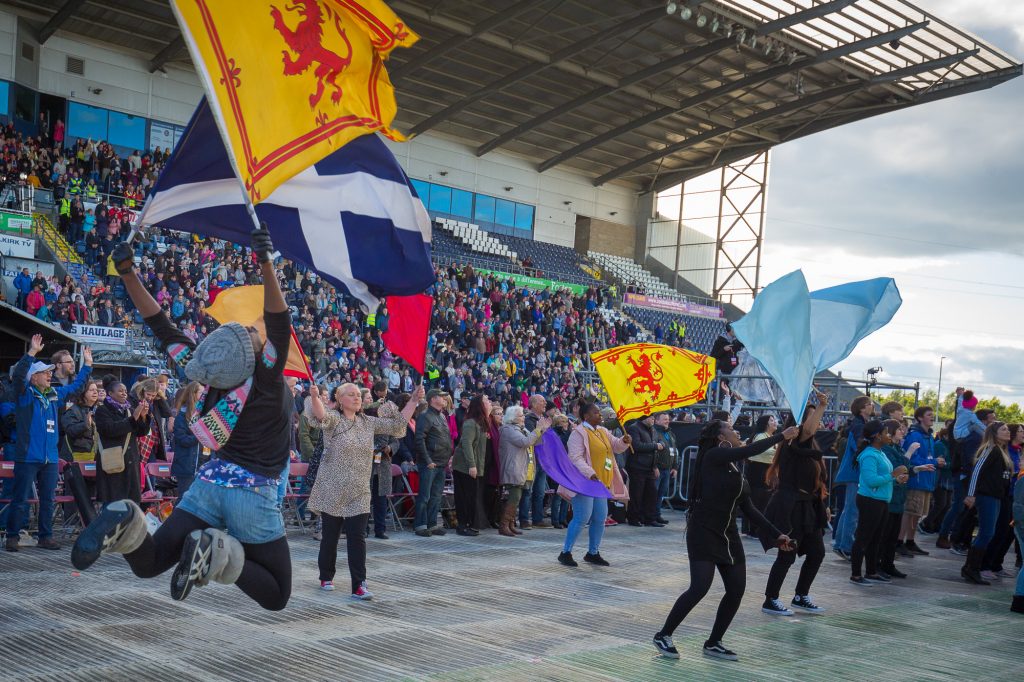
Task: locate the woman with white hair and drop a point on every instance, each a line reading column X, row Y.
column 341, row 494
column 517, row 462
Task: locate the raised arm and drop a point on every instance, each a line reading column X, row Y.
column 263, row 247
column 720, row 455
column 124, row 262
column 813, row 422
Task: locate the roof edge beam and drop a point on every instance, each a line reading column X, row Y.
column 800, row 17
column 490, row 23
column 170, row 51
column 567, row 52
column 754, row 119
column 725, row 88
column 58, row 19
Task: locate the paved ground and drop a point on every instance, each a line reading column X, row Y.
column 491, row 608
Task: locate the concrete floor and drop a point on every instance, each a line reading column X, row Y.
column 491, row 608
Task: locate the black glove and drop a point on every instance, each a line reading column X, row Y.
column 261, row 243
column 124, row 258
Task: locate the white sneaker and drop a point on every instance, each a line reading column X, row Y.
column 327, row 585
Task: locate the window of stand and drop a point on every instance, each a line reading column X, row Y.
column 490, row 213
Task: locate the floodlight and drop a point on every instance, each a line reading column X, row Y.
column 671, row 8
column 702, row 20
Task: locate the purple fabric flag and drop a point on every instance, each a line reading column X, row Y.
column 555, row 462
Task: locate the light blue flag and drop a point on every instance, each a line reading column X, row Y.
column 795, row 333
column 777, row 333
column 843, row 315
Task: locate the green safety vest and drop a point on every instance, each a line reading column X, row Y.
column 75, row 186
column 371, row 319
column 433, row 372
column 92, row 192
column 65, row 207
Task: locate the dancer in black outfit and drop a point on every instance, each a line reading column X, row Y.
column 712, row 540
column 797, row 508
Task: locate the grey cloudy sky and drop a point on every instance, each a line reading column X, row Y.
column 934, row 197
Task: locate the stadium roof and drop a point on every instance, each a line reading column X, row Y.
column 621, row 90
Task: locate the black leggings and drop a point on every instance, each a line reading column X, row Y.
column 890, row 536
column 813, row 545
column 868, row 539
column 734, row 576
column 355, row 547
column 266, row 577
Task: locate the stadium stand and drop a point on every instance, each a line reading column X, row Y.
column 633, row 275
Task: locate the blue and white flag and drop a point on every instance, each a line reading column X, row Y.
column 795, row 333
column 354, row 217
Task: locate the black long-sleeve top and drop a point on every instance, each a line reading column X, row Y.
column 719, row 491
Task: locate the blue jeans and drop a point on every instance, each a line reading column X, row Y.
column 847, row 524
column 45, row 477
column 587, row 509
column 988, row 515
column 955, row 507
column 525, row 502
column 540, row 488
column 250, row 515
column 664, row 486
column 428, row 500
column 559, row 510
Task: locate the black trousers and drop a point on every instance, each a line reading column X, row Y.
column 643, row 498
column 355, row 547
column 266, row 577
column 465, row 499
column 702, row 573
column 941, row 499
column 813, row 545
column 760, row 493
column 867, row 540
column 890, row 535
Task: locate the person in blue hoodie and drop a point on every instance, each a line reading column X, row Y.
column 186, row 445
column 861, row 408
column 874, row 492
column 924, row 463
column 37, row 406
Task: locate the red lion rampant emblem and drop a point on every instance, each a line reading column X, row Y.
column 306, row 41
column 647, row 375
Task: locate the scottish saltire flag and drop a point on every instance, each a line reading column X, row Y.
column 291, row 81
column 353, row 216
column 795, row 333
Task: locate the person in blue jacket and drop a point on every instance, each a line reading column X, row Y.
column 37, row 405
column 23, row 283
column 861, row 408
column 186, row 445
column 923, row 477
column 874, row 492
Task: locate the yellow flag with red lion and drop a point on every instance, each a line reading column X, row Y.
column 291, row 81
column 644, row 378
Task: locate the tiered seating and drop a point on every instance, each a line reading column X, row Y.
column 551, row 260
column 631, row 273
column 478, row 241
column 447, row 248
column 701, row 332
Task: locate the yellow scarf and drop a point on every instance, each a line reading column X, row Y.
column 601, row 457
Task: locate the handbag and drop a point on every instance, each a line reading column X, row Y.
column 112, row 458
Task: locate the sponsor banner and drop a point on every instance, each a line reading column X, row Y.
column 591, row 270
column 673, row 306
column 535, row 282
column 15, row 222
column 13, row 266
column 17, row 247
column 111, row 336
